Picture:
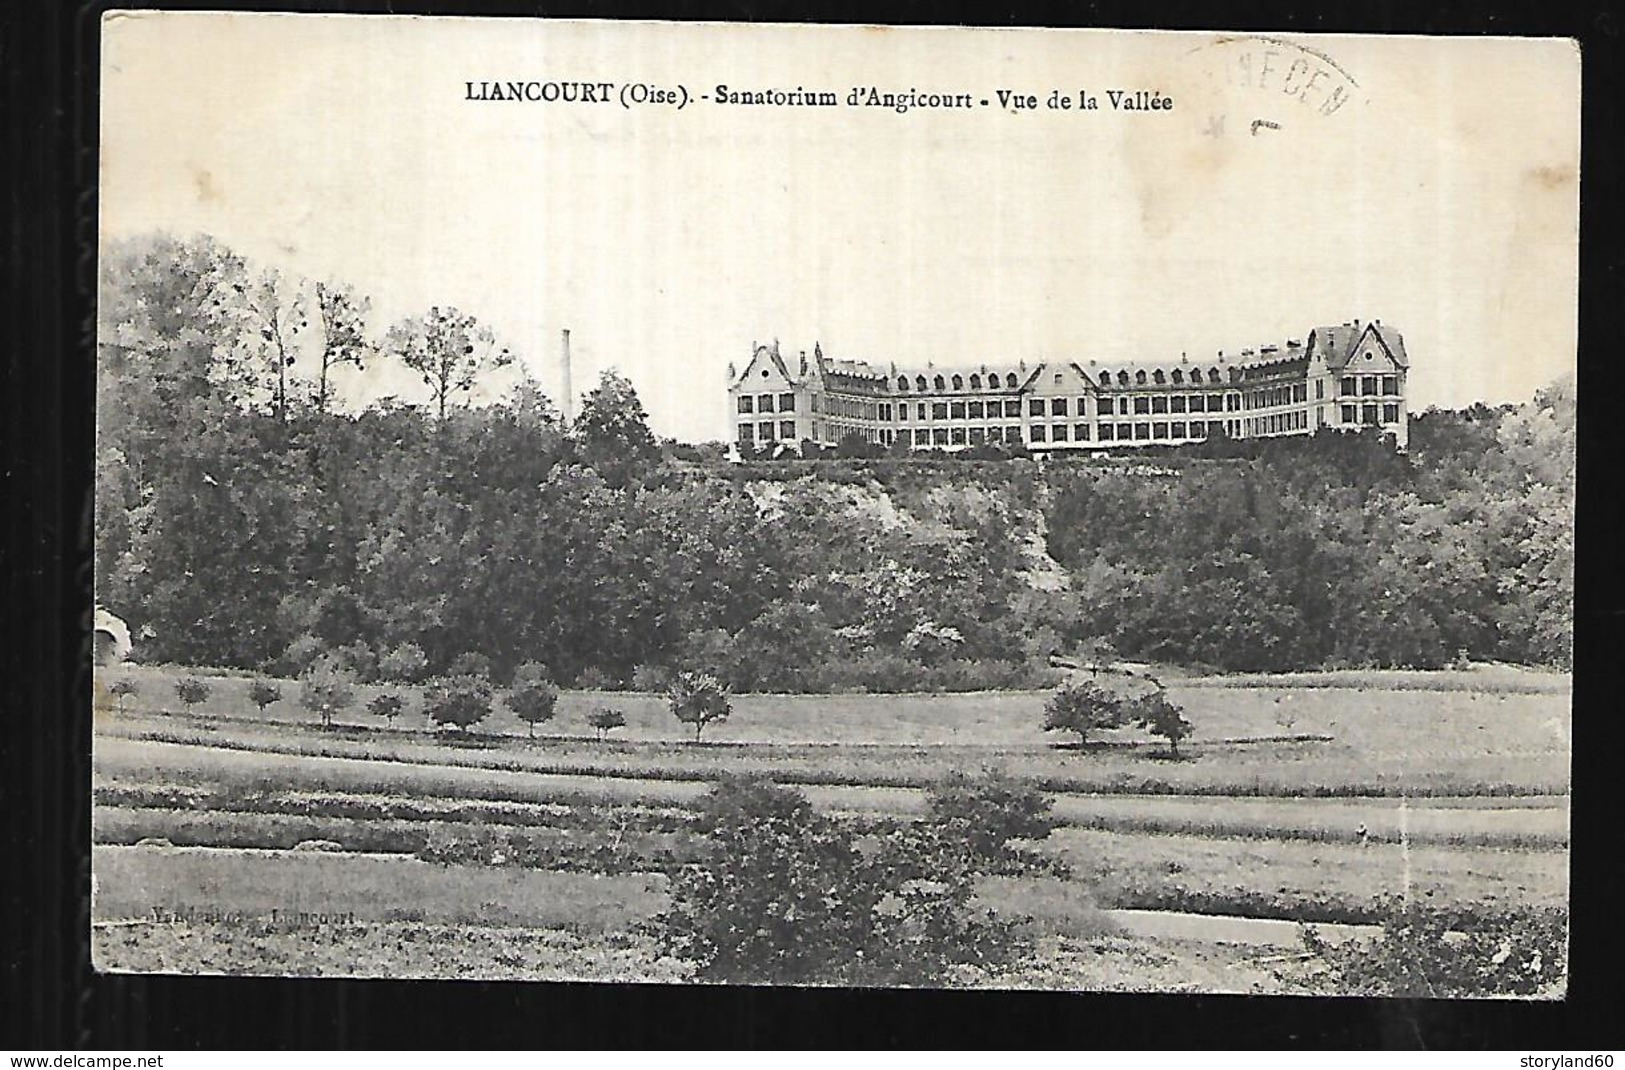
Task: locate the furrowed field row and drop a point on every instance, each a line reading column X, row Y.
column 327, row 785
column 1297, row 879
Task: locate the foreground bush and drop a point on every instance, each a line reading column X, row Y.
column 985, row 814
column 1452, row 953
column 787, row 895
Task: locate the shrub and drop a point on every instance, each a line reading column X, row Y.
column 359, row 659
column 122, row 689
column 984, row 813
column 460, row 701
column 262, row 693
column 786, row 895
column 302, row 653
column 1431, row 953
column 593, row 678
column 326, row 688
column 652, row 678
column 533, row 698
column 387, row 705
column 698, row 698
column 191, row 690
column 603, row 719
column 470, row 664
column 405, row 664
column 1082, row 706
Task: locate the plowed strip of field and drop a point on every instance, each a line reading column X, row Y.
column 1320, row 819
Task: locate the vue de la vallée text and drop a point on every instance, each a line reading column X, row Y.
column 630, row 94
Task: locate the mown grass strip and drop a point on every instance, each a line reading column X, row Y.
column 1542, row 775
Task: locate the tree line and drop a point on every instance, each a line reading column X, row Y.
column 244, row 519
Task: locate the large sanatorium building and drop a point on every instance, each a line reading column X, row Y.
column 1346, row 376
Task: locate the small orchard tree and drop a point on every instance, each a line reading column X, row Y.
column 122, row 689
column 386, row 704
column 1082, row 707
column 603, row 720
column 1161, row 716
column 191, row 691
column 534, row 697
column 460, row 701
column 327, row 688
column 699, row 699
column 262, row 693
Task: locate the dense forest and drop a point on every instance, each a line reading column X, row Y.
column 244, row 519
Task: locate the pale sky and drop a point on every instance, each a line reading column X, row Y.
column 1440, row 197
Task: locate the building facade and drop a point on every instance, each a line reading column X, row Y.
column 1347, row 376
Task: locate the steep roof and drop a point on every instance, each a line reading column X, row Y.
column 1337, row 343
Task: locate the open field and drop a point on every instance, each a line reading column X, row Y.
column 1462, row 795
column 1526, row 755
column 1358, row 710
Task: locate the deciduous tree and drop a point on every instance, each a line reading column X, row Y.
column 603, row 720
column 343, row 315
column 386, row 704
column 262, row 693
column 191, row 690
column 460, row 701
column 534, row 697
column 699, row 699
column 327, row 688
column 1081, row 707
column 450, row 351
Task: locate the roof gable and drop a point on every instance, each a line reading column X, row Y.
column 766, row 367
column 1337, row 344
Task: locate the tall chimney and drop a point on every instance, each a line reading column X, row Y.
column 569, row 390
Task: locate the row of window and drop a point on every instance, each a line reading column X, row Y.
column 1141, row 431
column 1368, row 386
column 1285, row 394
column 1387, row 413
column 764, row 403
column 1370, row 413
column 924, row 412
column 763, row 432
column 1279, row 423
